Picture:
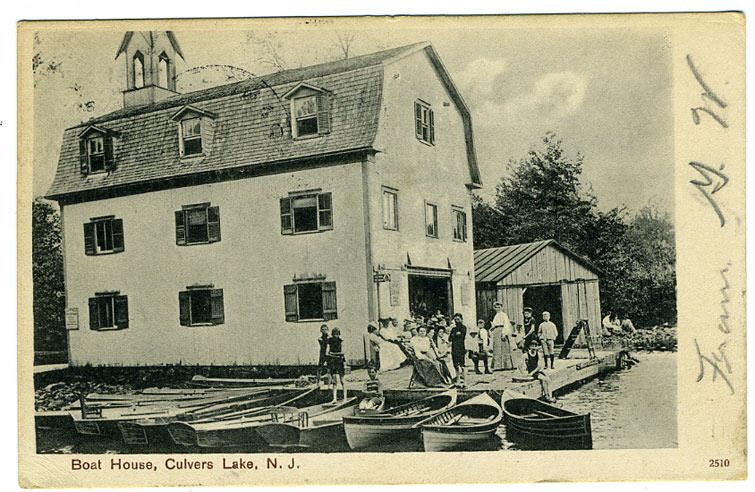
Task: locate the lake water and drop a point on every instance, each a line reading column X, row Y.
column 630, row 409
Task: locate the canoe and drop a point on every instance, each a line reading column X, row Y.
column 150, row 429
column 539, row 425
column 464, row 426
column 367, row 431
column 316, row 427
column 239, row 429
column 204, row 382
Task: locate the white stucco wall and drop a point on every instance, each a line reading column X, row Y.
column 251, row 264
column 421, row 172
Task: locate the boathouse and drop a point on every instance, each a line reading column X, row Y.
column 543, row 275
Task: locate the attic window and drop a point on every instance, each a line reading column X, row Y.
column 96, row 154
column 96, row 151
column 191, row 136
column 310, row 111
column 305, row 114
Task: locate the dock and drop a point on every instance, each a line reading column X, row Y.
column 577, row 369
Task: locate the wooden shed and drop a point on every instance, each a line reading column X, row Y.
column 544, row 276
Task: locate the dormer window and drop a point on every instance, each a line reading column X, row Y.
column 96, row 150
column 96, row 154
column 310, row 111
column 194, row 131
column 191, row 136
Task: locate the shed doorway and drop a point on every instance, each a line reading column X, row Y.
column 429, row 294
column 546, row 298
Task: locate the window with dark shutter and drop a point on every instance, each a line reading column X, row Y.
column 424, row 122
column 216, row 306
column 431, row 220
column 184, row 308
column 94, row 314
column 197, row 224
column 329, row 304
column 83, row 157
column 302, row 214
column 291, row 302
column 103, row 235
column 200, row 306
column 460, row 225
column 108, row 312
column 108, row 153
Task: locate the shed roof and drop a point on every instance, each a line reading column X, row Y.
column 250, row 115
column 494, row 264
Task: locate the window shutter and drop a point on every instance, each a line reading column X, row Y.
column 213, row 224
column 323, row 113
column 184, row 308
column 325, row 211
column 431, row 123
column 291, row 302
column 121, row 311
column 216, row 306
column 107, row 141
column 83, row 159
column 117, row 228
column 418, row 120
column 180, row 228
column 287, row 225
column 329, row 304
column 94, row 314
column 89, row 248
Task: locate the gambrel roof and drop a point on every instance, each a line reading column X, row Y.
column 249, row 116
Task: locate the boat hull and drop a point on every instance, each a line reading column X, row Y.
column 435, row 440
column 374, row 432
column 538, row 425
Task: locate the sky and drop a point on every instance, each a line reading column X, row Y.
column 605, row 92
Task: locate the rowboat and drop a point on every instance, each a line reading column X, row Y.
column 151, row 429
column 461, row 427
column 204, row 382
column 103, row 420
column 315, row 427
column 542, row 426
column 238, row 429
column 367, row 431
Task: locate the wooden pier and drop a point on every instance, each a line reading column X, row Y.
column 578, row 368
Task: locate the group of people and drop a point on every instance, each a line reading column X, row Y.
column 617, row 324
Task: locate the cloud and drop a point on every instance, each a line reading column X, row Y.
column 554, row 96
column 480, row 80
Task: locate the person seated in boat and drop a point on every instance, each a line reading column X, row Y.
column 336, row 363
column 536, row 369
column 373, row 391
column 322, row 363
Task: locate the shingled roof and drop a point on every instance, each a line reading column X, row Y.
column 495, row 264
column 251, row 125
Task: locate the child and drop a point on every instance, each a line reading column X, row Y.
column 483, row 340
column 548, row 334
column 336, row 363
column 535, row 369
column 373, row 391
column 323, row 360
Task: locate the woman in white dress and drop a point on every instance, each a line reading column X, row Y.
column 500, row 339
column 391, row 356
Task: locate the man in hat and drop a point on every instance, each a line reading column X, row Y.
column 529, row 329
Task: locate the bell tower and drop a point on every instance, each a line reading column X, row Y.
column 150, row 60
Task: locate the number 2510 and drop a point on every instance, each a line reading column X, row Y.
column 718, row 463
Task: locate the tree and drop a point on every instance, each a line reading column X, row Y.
column 543, row 198
column 47, row 277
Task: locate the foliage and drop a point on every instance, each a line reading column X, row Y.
column 543, row 198
column 47, row 275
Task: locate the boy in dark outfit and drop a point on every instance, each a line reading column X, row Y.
column 535, row 368
column 457, row 336
column 529, row 329
column 322, row 362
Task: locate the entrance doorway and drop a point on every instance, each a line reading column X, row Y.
column 428, row 295
column 546, row 298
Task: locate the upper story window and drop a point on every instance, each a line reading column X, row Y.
column 431, row 220
column 424, row 122
column 201, row 306
column 191, row 136
column 163, row 71
column 460, row 224
column 194, row 130
column 138, row 70
column 96, row 150
column 197, row 224
column 310, row 301
column 390, row 209
column 108, row 311
column 103, row 235
column 309, row 212
column 310, row 111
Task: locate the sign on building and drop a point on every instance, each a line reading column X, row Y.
column 72, row 318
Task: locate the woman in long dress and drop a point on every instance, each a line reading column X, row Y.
column 500, row 340
column 391, row 356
